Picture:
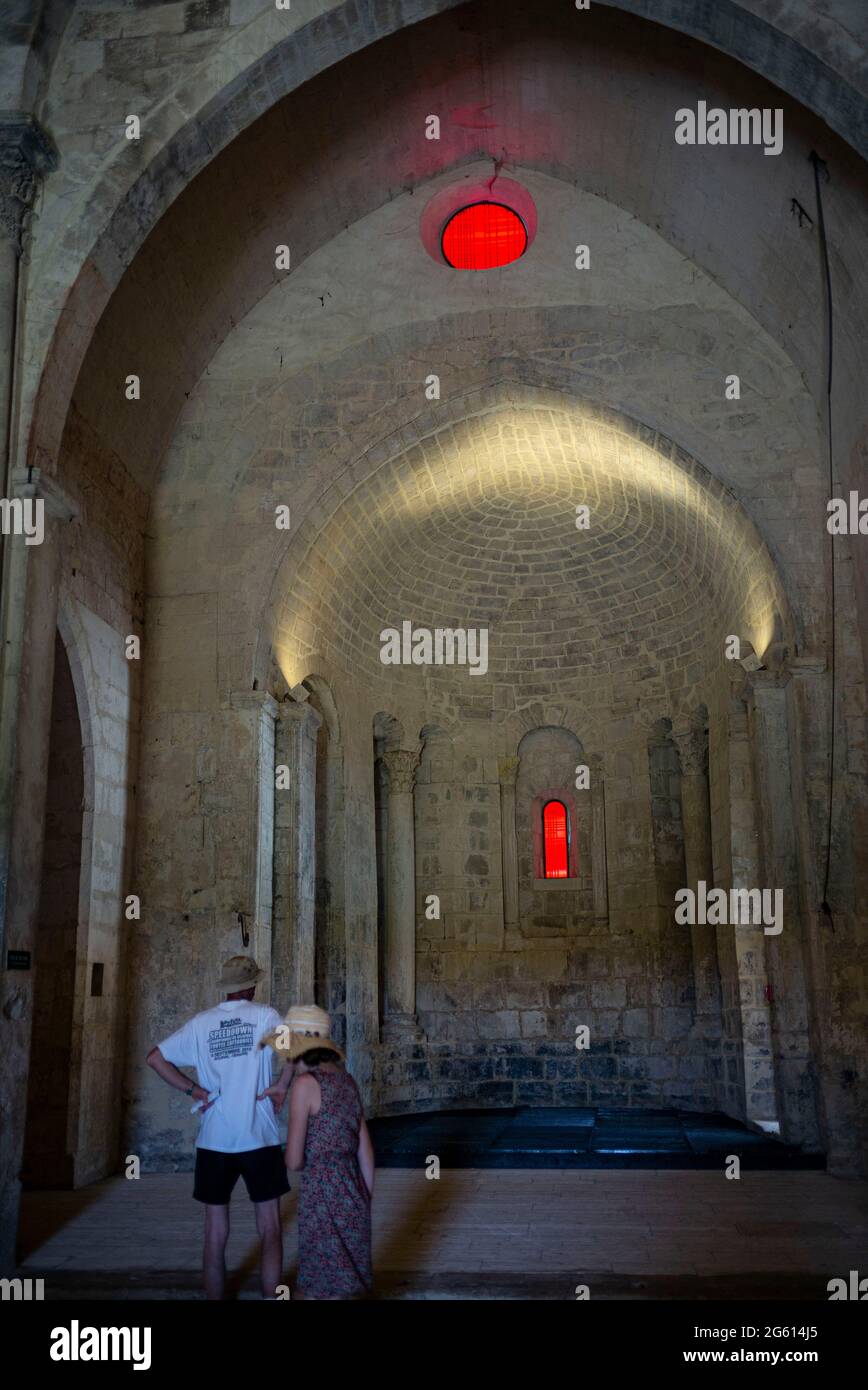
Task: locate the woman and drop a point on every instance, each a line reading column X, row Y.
column 329, row 1141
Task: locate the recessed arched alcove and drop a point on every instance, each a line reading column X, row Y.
column 615, row 627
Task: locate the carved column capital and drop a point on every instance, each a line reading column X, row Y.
column 257, row 700
column 305, row 717
column 761, row 686
column 692, row 744
column 27, row 154
column 808, row 667
column 783, row 667
column 507, row 771
column 658, row 738
column 401, row 764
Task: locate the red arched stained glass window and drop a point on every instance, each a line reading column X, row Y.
column 482, row 236
column 556, row 840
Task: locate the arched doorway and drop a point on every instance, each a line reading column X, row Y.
column 51, row 1124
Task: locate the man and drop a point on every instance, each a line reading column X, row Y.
column 238, row 1135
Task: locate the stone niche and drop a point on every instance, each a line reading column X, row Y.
column 553, row 907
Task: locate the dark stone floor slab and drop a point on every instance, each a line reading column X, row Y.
column 543, row 1117
column 545, row 1137
column 543, row 1141
column 612, row 1146
column 636, row 1117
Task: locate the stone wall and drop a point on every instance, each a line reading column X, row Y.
column 549, row 760
column 500, row 1010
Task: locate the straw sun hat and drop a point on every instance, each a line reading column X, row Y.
column 238, row 973
column 304, row 1028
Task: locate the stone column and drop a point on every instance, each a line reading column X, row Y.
column 332, row 950
column 599, row 865
column 692, row 743
column 507, row 771
column 748, row 991
column 842, row 1103
column 260, row 712
column 400, row 955
column 293, row 950
column 795, row 1062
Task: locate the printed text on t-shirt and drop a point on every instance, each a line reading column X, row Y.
column 232, row 1039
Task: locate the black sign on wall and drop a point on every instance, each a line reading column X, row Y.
column 17, row 960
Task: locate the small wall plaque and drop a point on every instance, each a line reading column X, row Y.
column 17, row 960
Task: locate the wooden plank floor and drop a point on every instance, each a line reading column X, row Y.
column 481, row 1234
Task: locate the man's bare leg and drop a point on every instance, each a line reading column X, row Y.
column 271, row 1238
column 214, row 1260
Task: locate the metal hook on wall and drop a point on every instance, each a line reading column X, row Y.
column 245, row 934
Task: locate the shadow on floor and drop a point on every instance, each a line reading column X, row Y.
column 42, row 1217
column 540, row 1137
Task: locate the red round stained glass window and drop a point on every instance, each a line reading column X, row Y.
column 482, row 236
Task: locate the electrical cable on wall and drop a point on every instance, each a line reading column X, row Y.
column 819, row 164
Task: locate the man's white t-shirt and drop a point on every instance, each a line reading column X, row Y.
column 223, row 1045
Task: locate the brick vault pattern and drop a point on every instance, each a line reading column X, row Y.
column 476, row 525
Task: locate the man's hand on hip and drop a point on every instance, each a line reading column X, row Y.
column 198, row 1093
column 277, row 1094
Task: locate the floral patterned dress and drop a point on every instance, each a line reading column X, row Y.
column 334, row 1212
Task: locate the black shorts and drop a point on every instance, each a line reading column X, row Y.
column 217, row 1173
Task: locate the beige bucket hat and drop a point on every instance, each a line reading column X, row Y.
column 239, row 972
column 304, row 1027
